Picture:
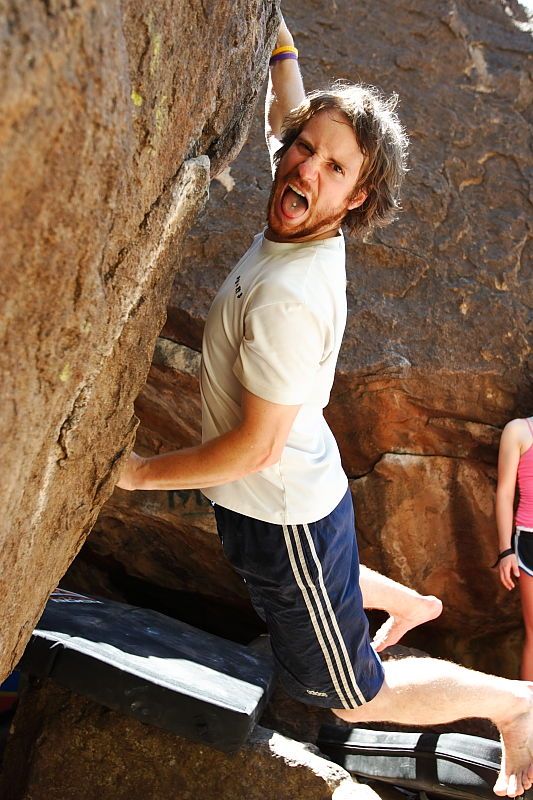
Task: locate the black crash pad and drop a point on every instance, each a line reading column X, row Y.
column 443, row 765
column 154, row 668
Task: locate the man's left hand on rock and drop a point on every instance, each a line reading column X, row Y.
column 129, row 477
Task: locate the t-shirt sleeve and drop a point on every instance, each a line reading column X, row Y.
column 281, row 352
column 274, row 145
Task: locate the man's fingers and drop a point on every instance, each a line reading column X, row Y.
column 127, row 476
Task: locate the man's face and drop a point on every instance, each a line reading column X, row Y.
column 314, row 183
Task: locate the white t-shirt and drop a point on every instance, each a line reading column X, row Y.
column 275, row 327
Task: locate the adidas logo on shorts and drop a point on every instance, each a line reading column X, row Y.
column 316, row 694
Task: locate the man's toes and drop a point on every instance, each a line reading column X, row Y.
column 514, row 785
column 527, row 778
column 500, row 787
column 436, row 604
column 511, row 790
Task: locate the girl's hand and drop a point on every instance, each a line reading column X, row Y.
column 508, row 569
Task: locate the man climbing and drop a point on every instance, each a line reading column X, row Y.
column 270, row 463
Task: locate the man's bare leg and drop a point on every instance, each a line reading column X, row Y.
column 427, row 691
column 406, row 608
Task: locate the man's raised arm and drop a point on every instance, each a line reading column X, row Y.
column 285, row 90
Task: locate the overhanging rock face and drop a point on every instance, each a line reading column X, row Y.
column 114, row 118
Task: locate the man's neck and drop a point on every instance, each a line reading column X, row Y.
column 272, row 237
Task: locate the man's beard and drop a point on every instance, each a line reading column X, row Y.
column 332, row 219
column 320, row 226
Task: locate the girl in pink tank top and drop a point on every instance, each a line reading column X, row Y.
column 515, row 467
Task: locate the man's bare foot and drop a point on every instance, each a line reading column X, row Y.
column 423, row 609
column 516, row 772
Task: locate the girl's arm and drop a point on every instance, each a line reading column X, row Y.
column 508, row 458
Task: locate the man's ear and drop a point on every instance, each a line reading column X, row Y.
column 358, row 200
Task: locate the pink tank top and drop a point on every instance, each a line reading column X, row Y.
column 524, row 512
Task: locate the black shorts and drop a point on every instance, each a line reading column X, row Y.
column 304, row 582
column 523, row 545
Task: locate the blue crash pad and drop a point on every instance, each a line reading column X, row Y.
column 161, row 671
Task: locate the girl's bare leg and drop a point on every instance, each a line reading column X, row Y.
column 526, row 595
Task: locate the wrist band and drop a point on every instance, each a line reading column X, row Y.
column 503, row 554
column 283, row 57
column 286, row 51
column 286, row 48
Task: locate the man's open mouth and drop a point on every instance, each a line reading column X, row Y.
column 293, row 202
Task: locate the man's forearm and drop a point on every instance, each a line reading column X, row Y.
column 285, row 87
column 221, row 460
column 254, row 444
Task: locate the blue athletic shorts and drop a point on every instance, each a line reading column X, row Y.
column 304, row 582
column 523, row 544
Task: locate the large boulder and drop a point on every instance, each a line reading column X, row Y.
column 76, row 748
column 113, row 116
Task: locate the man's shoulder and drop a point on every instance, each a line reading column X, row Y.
column 298, row 285
column 316, row 267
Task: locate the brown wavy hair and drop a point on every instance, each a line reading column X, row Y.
column 382, row 141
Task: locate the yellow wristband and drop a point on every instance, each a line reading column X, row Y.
column 286, row 48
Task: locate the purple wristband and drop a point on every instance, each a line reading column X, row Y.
column 283, row 56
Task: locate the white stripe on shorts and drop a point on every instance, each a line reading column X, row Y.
column 308, row 589
column 323, row 604
column 347, row 661
column 312, row 615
